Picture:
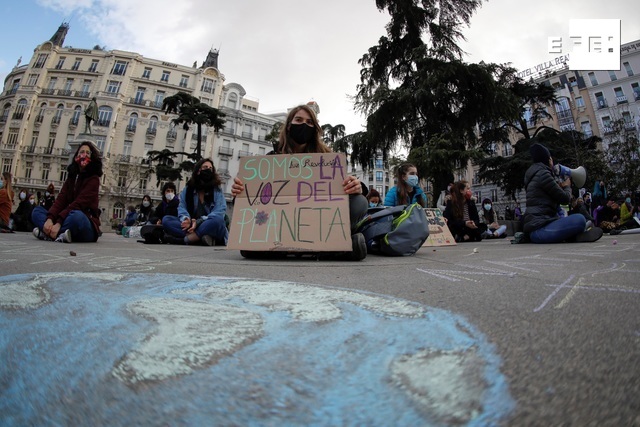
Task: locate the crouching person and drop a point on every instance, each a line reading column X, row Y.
column 201, row 212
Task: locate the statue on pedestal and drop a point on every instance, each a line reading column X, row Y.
column 91, row 114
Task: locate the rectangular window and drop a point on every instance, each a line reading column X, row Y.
column 620, row 98
column 636, row 91
column 379, row 176
column 579, row 101
column 76, row 64
column 100, row 142
column 612, row 75
column 34, row 138
column 628, row 68
column 94, row 66
column 12, row 138
column 223, row 166
column 42, row 58
column 46, row 167
column 28, row 168
column 592, row 77
column 51, row 143
column 119, row 68
column 586, row 129
column 143, row 183
column 67, row 87
column 122, row 178
column 261, row 151
column 126, row 150
column 33, row 79
column 184, row 81
column 113, row 87
column 63, row 174
column 139, row 99
column 146, row 73
column 159, row 98
column 86, row 87
column 148, row 146
column 207, row 86
column 60, row 63
column 52, row 83
column 7, row 165
column 165, row 76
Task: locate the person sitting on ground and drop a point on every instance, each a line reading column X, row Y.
column 407, row 189
column 374, row 198
column 168, row 205
column 301, row 133
column 201, row 211
column 129, row 219
column 445, row 195
column 578, row 207
column 49, row 197
column 490, row 220
column 75, row 215
column 22, row 215
column 145, row 210
column 609, row 216
column 6, row 202
column 627, row 211
column 544, row 196
column 462, row 215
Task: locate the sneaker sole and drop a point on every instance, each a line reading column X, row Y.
column 590, row 235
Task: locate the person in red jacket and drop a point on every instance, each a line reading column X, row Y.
column 74, row 216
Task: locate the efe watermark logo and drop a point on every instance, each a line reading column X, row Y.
column 594, row 44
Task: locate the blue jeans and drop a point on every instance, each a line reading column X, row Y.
column 80, row 225
column 559, row 230
column 214, row 227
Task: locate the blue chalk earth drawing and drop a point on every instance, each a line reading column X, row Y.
column 158, row 349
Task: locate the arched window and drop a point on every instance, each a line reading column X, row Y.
column 76, row 115
column 20, row 109
column 133, row 122
column 118, row 210
column 5, row 112
column 58, row 115
column 104, row 115
column 40, row 116
column 153, row 125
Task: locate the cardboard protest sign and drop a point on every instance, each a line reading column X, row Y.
column 292, row 202
column 439, row 234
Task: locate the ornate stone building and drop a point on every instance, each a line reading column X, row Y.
column 42, row 114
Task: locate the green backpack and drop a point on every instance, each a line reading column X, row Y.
column 394, row 231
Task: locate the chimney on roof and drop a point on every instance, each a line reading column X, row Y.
column 58, row 37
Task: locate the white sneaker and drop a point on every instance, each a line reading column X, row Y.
column 64, row 237
column 40, row 235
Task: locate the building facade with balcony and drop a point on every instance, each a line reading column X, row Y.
column 42, row 112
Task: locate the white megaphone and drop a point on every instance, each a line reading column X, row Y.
column 578, row 176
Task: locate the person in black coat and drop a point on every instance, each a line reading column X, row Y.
column 22, row 215
column 544, row 196
column 462, row 215
column 168, row 205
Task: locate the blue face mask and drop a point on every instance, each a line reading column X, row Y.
column 627, row 200
column 412, row 180
column 372, row 205
column 487, row 207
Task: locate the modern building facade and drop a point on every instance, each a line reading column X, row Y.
column 42, row 112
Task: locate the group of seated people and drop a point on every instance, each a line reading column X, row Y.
column 198, row 214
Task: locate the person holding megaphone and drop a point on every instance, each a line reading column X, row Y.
column 545, row 194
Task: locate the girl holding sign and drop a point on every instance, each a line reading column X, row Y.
column 301, row 133
column 201, row 210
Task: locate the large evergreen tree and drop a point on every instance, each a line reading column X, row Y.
column 415, row 89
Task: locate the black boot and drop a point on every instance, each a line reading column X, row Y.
column 173, row 240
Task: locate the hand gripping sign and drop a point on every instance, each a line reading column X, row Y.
column 292, row 202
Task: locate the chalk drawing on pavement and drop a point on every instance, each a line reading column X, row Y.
column 202, row 350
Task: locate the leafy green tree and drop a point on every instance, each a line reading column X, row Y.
column 333, row 136
column 622, row 152
column 191, row 111
column 163, row 164
column 273, row 136
column 416, row 91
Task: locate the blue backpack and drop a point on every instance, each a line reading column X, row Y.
column 394, row 231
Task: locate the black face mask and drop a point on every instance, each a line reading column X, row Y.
column 205, row 178
column 302, row 134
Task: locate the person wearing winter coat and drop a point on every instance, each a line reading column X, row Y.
column 75, row 215
column 202, row 209
column 544, row 196
column 22, row 215
column 168, row 205
column 407, row 189
column 462, row 215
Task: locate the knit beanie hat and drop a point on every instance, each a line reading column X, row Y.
column 540, row 153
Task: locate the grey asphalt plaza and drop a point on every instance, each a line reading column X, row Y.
column 488, row 333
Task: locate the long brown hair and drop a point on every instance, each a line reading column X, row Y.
column 6, row 177
column 402, row 195
column 457, row 198
column 196, row 171
column 284, row 141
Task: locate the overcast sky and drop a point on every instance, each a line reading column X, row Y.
column 286, row 52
